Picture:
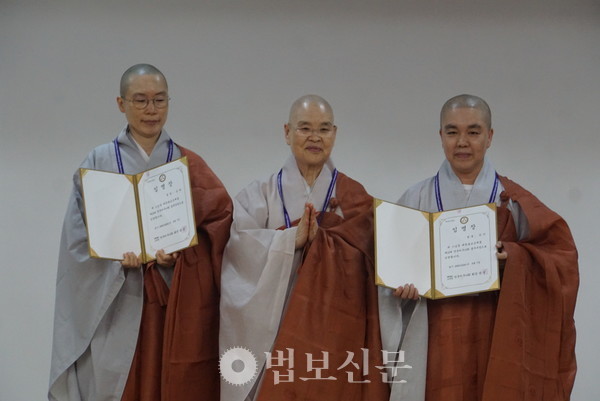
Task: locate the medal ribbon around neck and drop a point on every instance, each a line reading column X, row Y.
column 120, row 159
column 286, row 216
column 438, row 195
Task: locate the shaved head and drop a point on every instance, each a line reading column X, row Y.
column 468, row 101
column 137, row 70
column 306, row 101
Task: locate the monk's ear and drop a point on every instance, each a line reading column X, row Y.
column 489, row 140
column 121, row 104
column 286, row 129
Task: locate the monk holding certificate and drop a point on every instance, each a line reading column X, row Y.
column 519, row 342
column 137, row 297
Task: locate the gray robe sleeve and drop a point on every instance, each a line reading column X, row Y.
column 258, row 263
column 403, row 326
column 88, row 292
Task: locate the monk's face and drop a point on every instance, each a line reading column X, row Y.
column 465, row 138
column 146, row 122
column 311, row 135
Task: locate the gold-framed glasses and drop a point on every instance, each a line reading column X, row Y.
column 140, row 103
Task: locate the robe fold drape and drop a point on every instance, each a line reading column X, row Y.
column 320, row 301
column 518, row 343
column 532, row 353
column 117, row 328
column 333, row 310
column 260, row 264
column 191, row 347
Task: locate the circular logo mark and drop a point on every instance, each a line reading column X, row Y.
column 238, row 366
column 464, row 219
column 162, row 177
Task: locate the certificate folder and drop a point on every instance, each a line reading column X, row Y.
column 443, row 254
column 139, row 213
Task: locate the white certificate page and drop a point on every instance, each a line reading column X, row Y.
column 465, row 250
column 111, row 214
column 402, row 247
column 166, row 208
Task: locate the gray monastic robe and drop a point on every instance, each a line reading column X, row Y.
column 422, row 195
column 98, row 304
column 259, row 264
column 410, row 331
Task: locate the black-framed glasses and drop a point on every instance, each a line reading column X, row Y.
column 140, row 103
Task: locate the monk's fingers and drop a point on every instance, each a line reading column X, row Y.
column 303, row 228
column 314, row 215
column 501, row 253
column 126, row 258
column 307, row 210
column 413, row 293
column 407, row 291
column 135, row 261
column 305, row 219
column 166, row 260
column 130, row 261
column 303, row 223
column 313, row 226
column 401, row 291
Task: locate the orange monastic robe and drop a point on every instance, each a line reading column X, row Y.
column 333, row 312
column 518, row 343
column 177, row 355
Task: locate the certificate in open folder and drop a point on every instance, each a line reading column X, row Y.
column 140, row 213
column 443, row 254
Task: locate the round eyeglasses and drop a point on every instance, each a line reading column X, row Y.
column 140, row 103
column 322, row 131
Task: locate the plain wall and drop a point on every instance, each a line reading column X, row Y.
column 234, row 68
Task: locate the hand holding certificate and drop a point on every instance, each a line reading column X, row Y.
column 443, row 254
column 141, row 213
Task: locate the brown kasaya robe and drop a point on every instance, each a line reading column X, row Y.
column 177, row 354
column 518, row 343
column 333, row 309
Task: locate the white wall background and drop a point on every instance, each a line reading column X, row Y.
column 234, row 67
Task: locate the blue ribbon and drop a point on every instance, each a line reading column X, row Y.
column 438, row 195
column 286, row 216
column 120, row 159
